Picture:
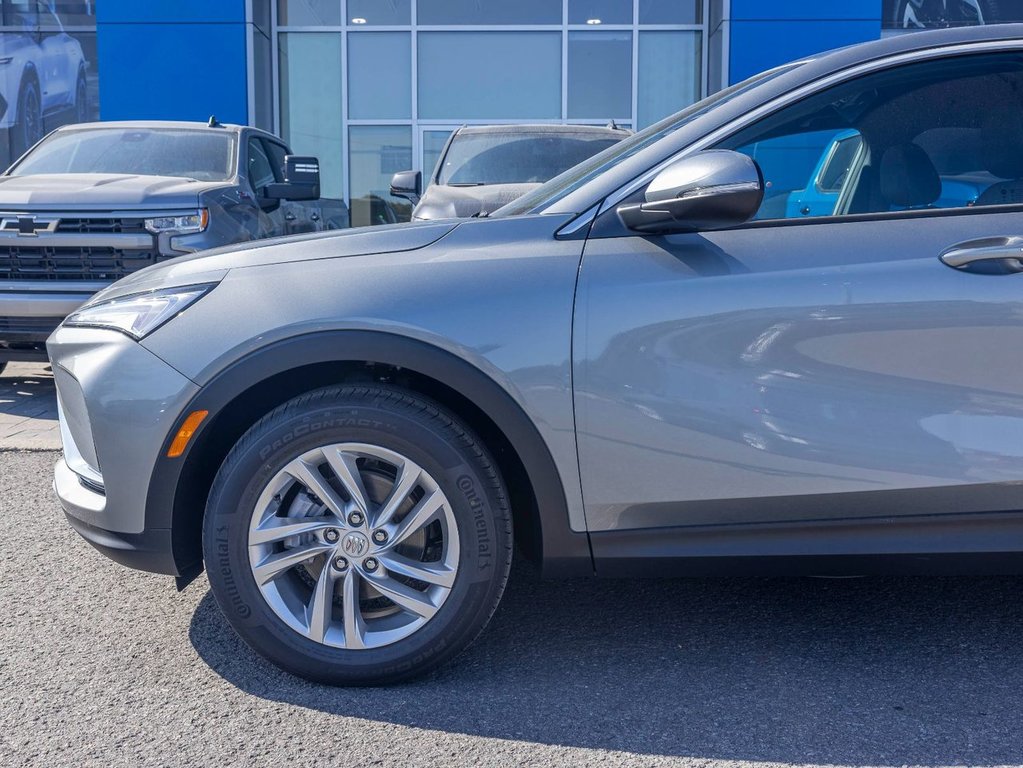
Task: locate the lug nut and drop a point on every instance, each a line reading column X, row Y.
column 331, row 535
column 340, row 563
column 369, row 564
column 379, row 537
column 356, row 518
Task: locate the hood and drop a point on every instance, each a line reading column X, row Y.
column 444, row 202
column 212, row 265
column 102, row 191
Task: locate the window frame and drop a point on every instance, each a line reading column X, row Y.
column 769, row 108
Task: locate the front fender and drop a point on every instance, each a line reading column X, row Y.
column 175, row 502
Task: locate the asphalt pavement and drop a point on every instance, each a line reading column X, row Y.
column 102, row 666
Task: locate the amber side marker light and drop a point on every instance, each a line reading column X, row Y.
column 184, row 434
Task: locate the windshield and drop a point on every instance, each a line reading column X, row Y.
column 516, row 158
column 205, row 155
column 574, row 178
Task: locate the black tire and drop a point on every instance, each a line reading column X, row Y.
column 29, row 128
column 81, row 105
column 398, row 421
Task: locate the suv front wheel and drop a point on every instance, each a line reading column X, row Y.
column 358, row 535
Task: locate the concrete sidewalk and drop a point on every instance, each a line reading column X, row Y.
column 28, row 408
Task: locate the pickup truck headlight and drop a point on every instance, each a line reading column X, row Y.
column 139, row 314
column 183, row 225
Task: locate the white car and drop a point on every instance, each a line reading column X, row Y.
column 42, row 71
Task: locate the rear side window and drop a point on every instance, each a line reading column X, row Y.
column 932, row 135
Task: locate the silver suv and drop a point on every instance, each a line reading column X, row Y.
column 642, row 367
column 94, row 202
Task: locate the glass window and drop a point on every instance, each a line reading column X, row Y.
column 600, row 75
column 377, row 92
column 260, row 169
column 458, row 78
column 310, row 72
column 669, row 74
column 670, row 12
column 277, row 154
column 574, row 178
column 433, row 145
column 596, row 12
column 74, row 12
column 939, row 134
column 489, row 12
column 380, row 12
column 514, row 156
column 309, row 13
column 191, row 153
column 376, row 153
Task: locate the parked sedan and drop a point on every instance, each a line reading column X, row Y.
column 483, row 167
column 624, row 372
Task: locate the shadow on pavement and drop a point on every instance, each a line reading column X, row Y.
column 27, row 390
column 888, row 671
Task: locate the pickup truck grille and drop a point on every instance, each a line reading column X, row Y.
column 101, row 226
column 44, row 245
column 72, row 263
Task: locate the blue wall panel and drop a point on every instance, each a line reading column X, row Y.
column 806, row 9
column 759, row 45
column 171, row 11
column 172, row 60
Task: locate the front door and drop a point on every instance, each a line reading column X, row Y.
column 825, row 366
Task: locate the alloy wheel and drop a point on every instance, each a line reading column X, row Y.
column 353, row 546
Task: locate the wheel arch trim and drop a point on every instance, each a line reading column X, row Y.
column 564, row 552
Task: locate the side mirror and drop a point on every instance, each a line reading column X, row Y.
column 407, row 184
column 705, row 191
column 301, row 180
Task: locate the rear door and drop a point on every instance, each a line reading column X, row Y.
column 813, row 368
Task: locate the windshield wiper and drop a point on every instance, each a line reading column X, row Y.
column 466, row 183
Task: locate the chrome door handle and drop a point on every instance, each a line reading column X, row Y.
column 991, row 256
column 289, row 217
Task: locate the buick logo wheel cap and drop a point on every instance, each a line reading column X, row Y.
column 355, row 544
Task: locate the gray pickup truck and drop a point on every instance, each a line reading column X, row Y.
column 94, row 202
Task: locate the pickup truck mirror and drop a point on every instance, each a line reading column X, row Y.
column 301, row 180
column 407, row 184
column 705, row 191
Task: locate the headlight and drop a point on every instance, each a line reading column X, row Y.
column 182, row 225
column 141, row 313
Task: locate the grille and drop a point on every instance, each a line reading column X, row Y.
column 102, row 226
column 72, row 263
column 29, row 324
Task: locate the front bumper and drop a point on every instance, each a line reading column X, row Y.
column 149, row 550
column 118, row 403
column 29, row 313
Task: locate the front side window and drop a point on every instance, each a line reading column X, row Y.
column 205, row 155
column 926, row 136
column 261, row 170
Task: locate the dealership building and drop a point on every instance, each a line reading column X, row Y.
column 372, row 87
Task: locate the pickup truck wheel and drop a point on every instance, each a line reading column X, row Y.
column 358, row 535
column 29, row 128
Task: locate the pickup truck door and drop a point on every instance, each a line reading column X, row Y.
column 260, row 172
column 299, row 215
